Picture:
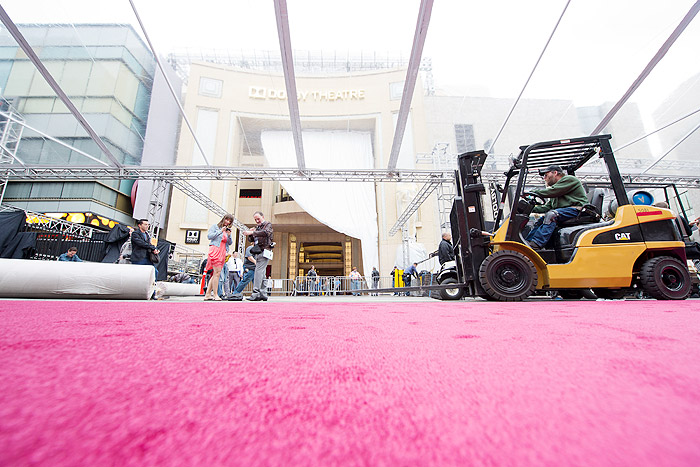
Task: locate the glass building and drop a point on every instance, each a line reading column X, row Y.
column 108, row 73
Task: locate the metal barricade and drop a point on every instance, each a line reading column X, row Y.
column 304, row 286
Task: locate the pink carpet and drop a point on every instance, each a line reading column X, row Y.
column 540, row 383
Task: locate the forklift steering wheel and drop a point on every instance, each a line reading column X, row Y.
column 533, row 198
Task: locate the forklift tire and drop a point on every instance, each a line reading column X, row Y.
column 451, row 294
column 508, row 276
column 665, row 278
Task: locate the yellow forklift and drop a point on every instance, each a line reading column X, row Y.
column 641, row 247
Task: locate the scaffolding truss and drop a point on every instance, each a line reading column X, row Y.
column 11, row 128
column 50, row 224
column 171, row 173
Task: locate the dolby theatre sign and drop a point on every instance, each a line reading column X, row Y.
column 255, row 92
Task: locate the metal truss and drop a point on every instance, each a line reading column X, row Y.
column 413, row 206
column 179, row 176
column 10, row 135
column 305, row 61
column 159, row 191
column 172, row 173
column 189, row 190
column 49, row 224
column 405, row 243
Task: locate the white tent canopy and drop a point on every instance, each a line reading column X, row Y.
column 349, row 208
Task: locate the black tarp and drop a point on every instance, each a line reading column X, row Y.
column 115, row 239
column 22, row 246
column 165, row 247
column 10, row 224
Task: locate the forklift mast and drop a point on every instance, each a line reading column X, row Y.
column 467, row 220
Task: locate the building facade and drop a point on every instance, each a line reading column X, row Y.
column 241, row 119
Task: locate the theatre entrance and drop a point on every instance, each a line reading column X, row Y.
column 332, row 254
column 327, row 257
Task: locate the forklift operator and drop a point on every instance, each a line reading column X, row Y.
column 566, row 197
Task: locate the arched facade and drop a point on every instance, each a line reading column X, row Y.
column 231, row 110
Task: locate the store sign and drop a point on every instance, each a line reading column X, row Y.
column 255, row 92
column 192, row 237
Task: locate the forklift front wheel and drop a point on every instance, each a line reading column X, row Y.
column 451, row 294
column 508, row 276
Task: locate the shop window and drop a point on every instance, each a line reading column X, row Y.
column 78, row 190
column 18, row 190
column 47, row 190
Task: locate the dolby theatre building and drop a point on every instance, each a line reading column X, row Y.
column 241, row 119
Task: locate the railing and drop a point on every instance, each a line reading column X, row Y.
column 55, row 236
column 186, row 259
column 331, row 286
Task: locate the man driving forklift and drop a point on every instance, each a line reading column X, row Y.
column 566, row 197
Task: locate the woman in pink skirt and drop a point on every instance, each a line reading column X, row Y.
column 220, row 238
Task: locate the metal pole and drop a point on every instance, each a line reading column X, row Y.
column 170, row 86
column 650, row 66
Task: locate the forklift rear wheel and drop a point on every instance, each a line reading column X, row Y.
column 508, row 276
column 451, row 294
column 666, row 278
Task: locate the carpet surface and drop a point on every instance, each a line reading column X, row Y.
column 538, row 383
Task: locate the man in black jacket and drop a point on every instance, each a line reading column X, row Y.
column 141, row 244
column 445, row 251
column 261, row 237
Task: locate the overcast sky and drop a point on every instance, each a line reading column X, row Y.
column 482, row 47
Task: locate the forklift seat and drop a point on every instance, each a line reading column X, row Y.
column 589, row 214
column 569, row 235
column 566, row 237
column 595, row 197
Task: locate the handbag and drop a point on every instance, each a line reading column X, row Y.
column 153, row 257
column 267, row 254
column 256, row 250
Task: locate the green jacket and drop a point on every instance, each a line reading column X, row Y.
column 567, row 192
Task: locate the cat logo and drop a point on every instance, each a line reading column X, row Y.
column 622, row 236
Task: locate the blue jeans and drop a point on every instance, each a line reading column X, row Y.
column 223, row 277
column 247, row 277
column 355, row 285
column 545, row 225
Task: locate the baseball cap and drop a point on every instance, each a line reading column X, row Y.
column 551, row 168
